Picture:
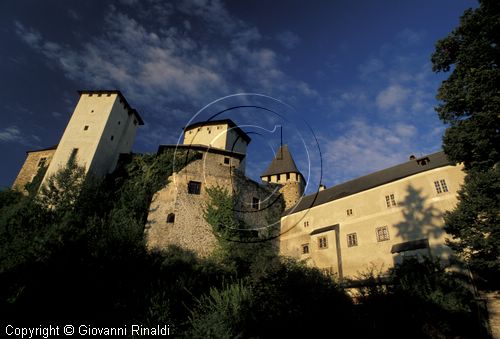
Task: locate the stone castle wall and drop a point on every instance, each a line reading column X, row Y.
column 292, row 192
column 189, row 229
column 31, row 166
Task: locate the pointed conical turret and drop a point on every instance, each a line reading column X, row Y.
column 284, row 171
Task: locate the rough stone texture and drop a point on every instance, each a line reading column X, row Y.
column 31, row 166
column 292, row 192
column 190, row 230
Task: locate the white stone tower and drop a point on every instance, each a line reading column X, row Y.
column 102, row 127
column 284, row 172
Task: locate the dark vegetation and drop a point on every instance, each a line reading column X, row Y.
column 75, row 253
column 470, row 106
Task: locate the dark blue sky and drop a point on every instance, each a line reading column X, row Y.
column 357, row 74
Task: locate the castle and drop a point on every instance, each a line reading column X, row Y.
column 373, row 221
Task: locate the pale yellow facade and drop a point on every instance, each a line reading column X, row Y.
column 359, row 232
column 102, row 126
column 221, row 136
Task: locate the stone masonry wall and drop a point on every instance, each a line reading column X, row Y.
column 30, row 167
column 190, row 230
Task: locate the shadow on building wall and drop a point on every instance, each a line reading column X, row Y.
column 421, row 228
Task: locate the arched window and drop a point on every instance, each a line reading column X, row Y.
column 170, row 217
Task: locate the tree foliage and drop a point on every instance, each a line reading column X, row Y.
column 470, row 105
column 470, row 97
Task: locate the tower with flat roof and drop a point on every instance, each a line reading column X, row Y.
column 103, row 126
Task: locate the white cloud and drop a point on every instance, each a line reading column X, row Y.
column 365, row 148
column 288, row 39
column 12, row 134
column 392, row 97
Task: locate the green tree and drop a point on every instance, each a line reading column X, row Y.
column 470, row 105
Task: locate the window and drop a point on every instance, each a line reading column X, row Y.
column 306, row 223
column 86, row 127
column 305, row 248
column 255, row 203
column 278, row 177
column 288, row 176
column 352, row 240
column 170, row 217
column 92, row 111
column 322, row 242
column 194, row 187
column 440, row 186
column 382, row 233
column 42, row 162
column 443, row 185
column 390, row 200
column 73, row 154
column 226, row 160
column 99, row 94
column 349, row 212
column 112, row 137
column 198, row 156
column 119, row 122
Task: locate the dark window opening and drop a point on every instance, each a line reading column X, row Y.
column 112, row 137
column 99, row 94
column 382, row 233
column 86, row 127
column 42, row 161
column 278, row 177
column 91, row 94
column 194, row 187
column 288, row 176
column 255, row 203
column 73, row 154
column 323, row 242
column 226, row 161
column 109, row 94
column 198, row 156
column 305, row 249
column 352, row 240
column 119, row 122
column 170, row 217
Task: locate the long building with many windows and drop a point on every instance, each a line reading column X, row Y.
column 377, row 220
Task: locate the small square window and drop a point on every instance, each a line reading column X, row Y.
column 198, row 156
column 255, row 203
column 109, row 94
column 390, row 200
column 119, row 122
column 323, row 242
column 382, row 233
column 112, row 137
column 349, row 211
column 171, row 218
column 352, row 240
column 305, row 248
column 306, row 223
column 99, row 94
column 226, row 161
column 86, row 127
column 194, row 187
column 42, row 162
